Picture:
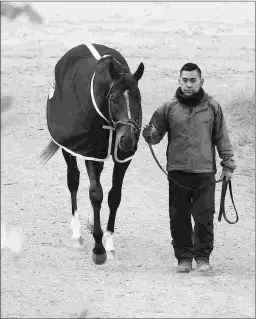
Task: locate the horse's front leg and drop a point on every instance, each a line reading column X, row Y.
column 114, row 199
column 94, row 170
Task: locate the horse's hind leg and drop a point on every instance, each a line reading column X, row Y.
column 114, row 199
column 94, row 170
column 73, row 175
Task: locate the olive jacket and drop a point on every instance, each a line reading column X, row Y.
column 193, row 134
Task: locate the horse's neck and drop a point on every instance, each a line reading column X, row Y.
column 101, row 84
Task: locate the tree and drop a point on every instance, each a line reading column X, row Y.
column 11, row 12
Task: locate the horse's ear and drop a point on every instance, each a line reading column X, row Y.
column 138, row 74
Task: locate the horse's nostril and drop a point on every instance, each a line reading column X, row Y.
column 126, row 143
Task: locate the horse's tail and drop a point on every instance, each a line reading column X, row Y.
column 48, row 152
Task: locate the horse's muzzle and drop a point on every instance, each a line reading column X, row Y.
column 126, row 144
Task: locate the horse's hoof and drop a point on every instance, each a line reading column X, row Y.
column 77, row 242
column 99, row 259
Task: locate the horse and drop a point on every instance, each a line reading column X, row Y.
column 94, row 112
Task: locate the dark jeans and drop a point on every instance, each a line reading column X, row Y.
column 183, row 203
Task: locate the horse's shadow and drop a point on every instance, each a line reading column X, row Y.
column 85, row 314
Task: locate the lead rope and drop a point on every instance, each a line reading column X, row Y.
column 225, row 184
column 223, row 191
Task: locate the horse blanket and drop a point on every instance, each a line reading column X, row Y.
column 75, row 121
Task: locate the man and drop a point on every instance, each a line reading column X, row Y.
column 195, row 125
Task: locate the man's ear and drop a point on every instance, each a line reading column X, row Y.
column 202, row 82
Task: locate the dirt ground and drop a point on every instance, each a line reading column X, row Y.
column 53, row 280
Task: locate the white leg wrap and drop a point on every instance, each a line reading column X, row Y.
column 109, row 240
column 11, row 238
column 3, row 235
column 75, row 226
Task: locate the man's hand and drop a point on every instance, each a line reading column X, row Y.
column 227, row 174
column 149, row 132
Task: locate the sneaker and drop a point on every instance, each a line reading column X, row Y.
column 184, row 266
column 203, row 265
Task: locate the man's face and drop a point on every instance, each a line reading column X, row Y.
column 190, row 82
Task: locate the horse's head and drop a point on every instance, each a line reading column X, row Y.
column 125, row 106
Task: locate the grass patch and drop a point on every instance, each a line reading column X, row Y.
column 245, row 139
column 246, row 171
column 242, row 109
column 241, row 112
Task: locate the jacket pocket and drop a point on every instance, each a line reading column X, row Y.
column 177, row 153
column 204, row 157
column 203, row 117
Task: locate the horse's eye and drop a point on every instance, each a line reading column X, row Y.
column 113, row 99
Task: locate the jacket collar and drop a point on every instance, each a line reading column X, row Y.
column 191, row 101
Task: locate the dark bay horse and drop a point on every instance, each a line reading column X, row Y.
column 94, row 112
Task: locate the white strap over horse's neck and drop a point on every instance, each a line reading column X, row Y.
column 94, row 101
column 97, row 56
column 94, row 52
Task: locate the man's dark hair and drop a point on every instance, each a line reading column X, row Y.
column 191, row 67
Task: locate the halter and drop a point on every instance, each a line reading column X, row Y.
column 115, row 124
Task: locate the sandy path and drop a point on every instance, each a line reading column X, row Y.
column 52, row 280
